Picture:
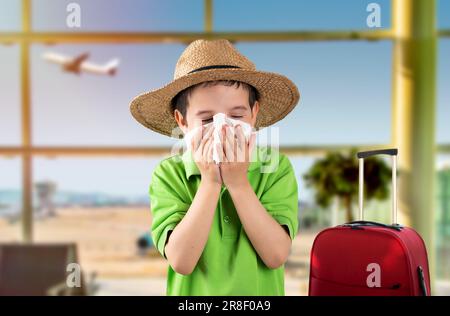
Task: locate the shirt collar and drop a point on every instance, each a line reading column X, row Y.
column 191, row 167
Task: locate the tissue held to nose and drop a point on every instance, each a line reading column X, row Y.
column 219, row 120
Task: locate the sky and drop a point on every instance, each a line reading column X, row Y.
column 345, row 86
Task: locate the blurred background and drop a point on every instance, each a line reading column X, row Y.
column 75, row 167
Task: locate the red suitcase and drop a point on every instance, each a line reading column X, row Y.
column 363, row 258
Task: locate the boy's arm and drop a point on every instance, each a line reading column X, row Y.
column 270, row 240
column 262, row 220
column 187, row 241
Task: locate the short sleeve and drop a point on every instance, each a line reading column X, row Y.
column 280, row 198
column 166, row 204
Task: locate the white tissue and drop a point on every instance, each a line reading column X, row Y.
column 219, row 120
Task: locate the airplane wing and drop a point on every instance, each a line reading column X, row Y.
column 76, row 62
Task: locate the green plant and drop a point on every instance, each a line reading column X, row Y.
column 336, row 175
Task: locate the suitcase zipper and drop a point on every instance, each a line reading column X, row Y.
column 423, row 286
column 362, row 224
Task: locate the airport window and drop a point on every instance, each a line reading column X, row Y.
column 364, row 92
column 10, row 95
column 63, row 101
column 286, row 15
column 443, row 93
column 10, row 199
column 10, row 16
column 128, row 16
column 101, row 204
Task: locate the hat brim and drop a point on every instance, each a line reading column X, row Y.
column 277, row 97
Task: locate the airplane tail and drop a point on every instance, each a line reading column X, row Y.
column 112, row 71
column 111, row 66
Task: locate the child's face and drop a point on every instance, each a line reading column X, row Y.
column 205, row 102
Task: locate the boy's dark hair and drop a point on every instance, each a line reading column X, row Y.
column 180, row 101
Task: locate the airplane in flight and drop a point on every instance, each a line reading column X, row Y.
column 80, row 64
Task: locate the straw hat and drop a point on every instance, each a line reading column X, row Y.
column 205, row 60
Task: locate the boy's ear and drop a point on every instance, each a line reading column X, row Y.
column 255, row 111
column 181, row 121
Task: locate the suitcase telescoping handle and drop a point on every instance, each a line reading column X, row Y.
column 365, row 154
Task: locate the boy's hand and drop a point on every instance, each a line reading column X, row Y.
column 235, row 154
column 202, row 149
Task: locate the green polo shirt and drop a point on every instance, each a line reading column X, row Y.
column 229, row 265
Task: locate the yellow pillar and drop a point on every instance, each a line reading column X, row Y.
column 208, row 16
column 27, row 174
column 413, row 125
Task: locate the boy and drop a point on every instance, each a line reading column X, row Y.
column 227, row 228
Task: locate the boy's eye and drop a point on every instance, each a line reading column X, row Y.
column 205, row 121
